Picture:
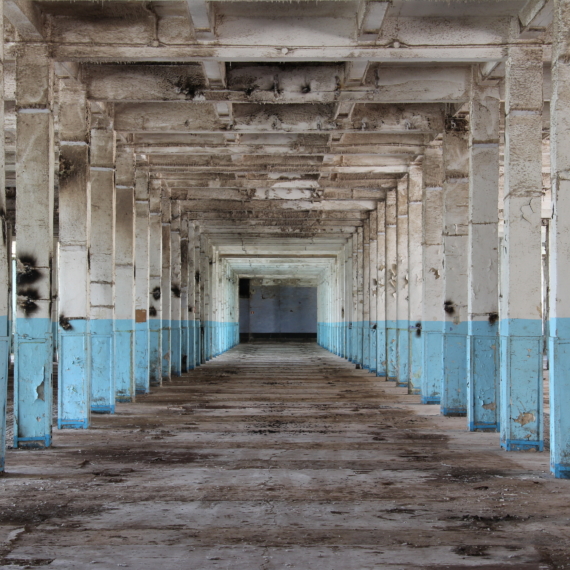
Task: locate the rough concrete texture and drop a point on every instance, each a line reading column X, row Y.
column 275, row 457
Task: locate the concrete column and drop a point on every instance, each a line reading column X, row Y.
column 155, row 284
column 381, row 361
column 373, row 324
column 366, row 295
column 520, row 307
column 482, row 260
column 204, row 298
column 559, row 301
column 175, row 292
column 433, row 294
column 5, row 260
column 347, row 302
column 184, row 338
column 33, row 340
column 142, row 282
column 360, row 297
column 354, row 300
column 102, row 261
column 197, row 295
column 456, row 211
column 391, row 287
column 402, row 301
column 74, row 370
column 166, row 281
column 191, row 295
column 415, row 280
column 125, row 277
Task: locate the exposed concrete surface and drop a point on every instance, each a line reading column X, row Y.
column 276, row 457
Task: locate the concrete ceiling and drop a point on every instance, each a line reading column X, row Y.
column 278, row 126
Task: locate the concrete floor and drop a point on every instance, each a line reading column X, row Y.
column 278, row 456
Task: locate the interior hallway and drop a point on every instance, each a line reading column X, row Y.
column 276, row 456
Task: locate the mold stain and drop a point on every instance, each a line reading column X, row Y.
column 175, row 291
column 152, row 311
column 156, row 293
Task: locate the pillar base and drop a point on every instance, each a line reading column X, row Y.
column 73, row 424
column 561, row 471
column 103, row 409
column 431, row 400
column 124, row 399
column 522, row 445
column 484, row 427
column 454, row 412
column 32, row 442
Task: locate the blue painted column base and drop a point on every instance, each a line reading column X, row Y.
column 483, row 376
column 142, row 354
column 432, row 377
column 431, row 400
column 484, row 427
column 102, row 409
column 521, row 394
column 522, row 445
column 102, row 366
column 391, row 351
column 33, row 395
column 454, row 364
column 74, row 372
column 175, row 348
column 125, row 388
column 165, row 332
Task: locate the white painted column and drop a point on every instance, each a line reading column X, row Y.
column 559, row 248
column 74, row 370
column 165, row 293
column 155, row 283
column 520, row 307
column 381, row 359
column 198, row 297
column 142, row 281
column 366, row 295
column 360, row 297
column 402, row 289
column 483, row 259
column 175, row 293
column 373, row 269
column 33, row 340
column 347, row 299
column 456, row 211
column 5, row 261
column 125, row 277
column 102, row 261
column 391, row 287
column 192, row 334
column 415, row 279
column 354, row 300
column 204, row 297
column 184, row 338
column 433, row 294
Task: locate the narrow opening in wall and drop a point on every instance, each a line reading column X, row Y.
column 243, row 288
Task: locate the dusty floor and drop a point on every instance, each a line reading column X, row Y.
column 277, row 457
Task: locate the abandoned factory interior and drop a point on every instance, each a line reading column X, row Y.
column 285, row 284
